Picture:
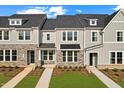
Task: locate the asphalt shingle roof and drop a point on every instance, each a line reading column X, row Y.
column 50, row 24
column 28, row 20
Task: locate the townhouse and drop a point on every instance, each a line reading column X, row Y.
column 81, row 39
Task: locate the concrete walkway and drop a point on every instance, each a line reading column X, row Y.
column 46, row 76
column 14, row 81
column 106, row 80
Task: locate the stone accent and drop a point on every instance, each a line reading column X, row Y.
column 80, row 59
column 21, row 54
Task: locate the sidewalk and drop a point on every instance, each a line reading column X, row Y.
column 45, row 78
column 14, row 81
column 106, row 80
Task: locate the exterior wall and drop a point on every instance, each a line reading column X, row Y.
column 14, row 37
column 88, row 38
column 44, row 36
column 80, row 59
column 60, row 41
column 21, row 54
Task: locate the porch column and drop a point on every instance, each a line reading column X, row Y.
column 39, row 54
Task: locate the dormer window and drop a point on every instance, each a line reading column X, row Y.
column 15, row 21
column 93, row 22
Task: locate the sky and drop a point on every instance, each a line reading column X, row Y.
column 53, row 10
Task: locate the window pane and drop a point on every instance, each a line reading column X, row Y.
column 45, row 55
column 51, row 55
column 21, row 35
column 70, row 56
column 6, row 35
column 7, row 55
column 64, row 36
column 112, row 57
column 14, row 55
column 1, row 55
column 94, row 36
column 119, row 36
column 75, row 36
column 27, row 35
column 75, row 56
column 48, row 36
column 119, row 57
column 69, row 36
column 64, row 56
column 0, row 35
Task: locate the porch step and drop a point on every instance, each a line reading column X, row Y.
column 49, row 66
column 31, row 66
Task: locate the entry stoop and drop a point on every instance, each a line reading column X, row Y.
column 31, row 66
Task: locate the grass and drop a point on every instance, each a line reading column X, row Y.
column 31, row 79
column 7, row 73
column 75, row 80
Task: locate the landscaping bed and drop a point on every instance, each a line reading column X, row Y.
column 74, row 77
column 31, row 79
column 7, row 73
column 116, row 75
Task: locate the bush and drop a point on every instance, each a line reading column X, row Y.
column 73, row 70
column 115, row 70
column 70, row 67
column 59, row 67
column 67, row 70
column 122, row 70
column 106, row 69
column 65, row 67
column 80, row 67
column 116, row 74
column 76, row 67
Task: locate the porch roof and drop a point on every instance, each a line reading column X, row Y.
column 47, row 45
column 70, row 46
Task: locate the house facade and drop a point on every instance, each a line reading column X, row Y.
column 81, row 39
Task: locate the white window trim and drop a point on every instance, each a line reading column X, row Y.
column 66, row 32
column 116, row 57
column 48, row 55
column 15, row 21
column 97, row 36
column 3, row 35
column 24, row 36
column 122, row 36
column 94, row 23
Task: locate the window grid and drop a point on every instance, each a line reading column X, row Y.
column 119, row 36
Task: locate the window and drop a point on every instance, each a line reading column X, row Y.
column 15, row 21
column 14, row 55
column 112, row 58
column 45, row 55
column 1, row 35
column 119, row 36
column 7, row 55
column 51, row 55
column 94, row 36
column 93, row 22
column 64, row 56
column 75, row 56
column 27, row 35
column 6, row 35
column 75, row 36
column 64, row 36
column 119, row 57
column 48, row 36
column 69, row 56
column 69, row 36
column 1, row 55
column 24, row 35
column 21, row 35
column 116, row 57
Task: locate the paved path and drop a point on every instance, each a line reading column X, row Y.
column 106, row 80
column 45, row 78
column 14, row 81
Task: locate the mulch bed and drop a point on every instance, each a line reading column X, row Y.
column 61, row 70
column 115, row 74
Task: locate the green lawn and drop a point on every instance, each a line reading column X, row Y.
column 3, row 79
column 31, row 79
column 75, row 80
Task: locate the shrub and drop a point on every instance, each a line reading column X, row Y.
column 73, row 70
column 115, row 70
column 70, row 67
column 65, row 67
column 80, row 67
column 59, row 67
column 122, row 70
column 67, row 70
column 106, row 69
column 116, row 74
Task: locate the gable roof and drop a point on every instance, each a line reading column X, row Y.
column 84, row 19
column 49, row 24
column 67, row 21
column 28, row 20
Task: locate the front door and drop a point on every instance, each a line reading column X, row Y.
column 93, row 59
column 30, row 56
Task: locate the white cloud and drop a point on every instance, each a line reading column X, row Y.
column 51, row 12
column 119, row 7
column 78, row 11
